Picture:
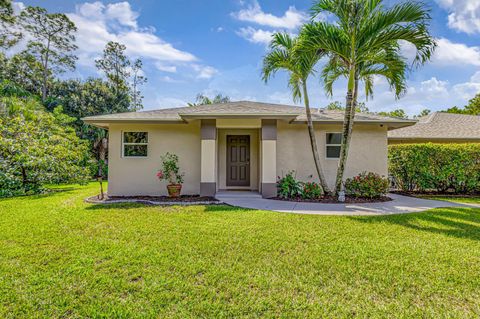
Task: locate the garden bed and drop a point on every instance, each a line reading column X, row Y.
column 334, row 200
column 156, row 200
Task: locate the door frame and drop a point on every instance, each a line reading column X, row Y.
column 248, row 160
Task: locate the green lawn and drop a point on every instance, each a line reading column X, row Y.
column 455, row 199
column 61, row 257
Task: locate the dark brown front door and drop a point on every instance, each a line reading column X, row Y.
column 238, row 160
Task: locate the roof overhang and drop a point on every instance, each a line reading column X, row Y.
column 391, row 125
column 105, row 123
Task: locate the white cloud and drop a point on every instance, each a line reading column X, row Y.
column 464, row 15
column 468, row 90
column 165, row 68
column 434, row 88
column 450, row 53
column 99, row 23
column 204, row 72
column 123, row 13
column 291, row 19
column 256, row 35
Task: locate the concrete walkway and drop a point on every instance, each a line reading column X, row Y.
column 399, row 205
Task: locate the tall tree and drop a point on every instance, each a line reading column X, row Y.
column 24, row 70
column 283, row 56
column 138, row 79
column 203, row 99
column 363, row 39
column 52, row 43
column 116, row 65
column 9, row 33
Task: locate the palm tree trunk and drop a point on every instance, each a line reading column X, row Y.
column 313, row 140
column 347, row 129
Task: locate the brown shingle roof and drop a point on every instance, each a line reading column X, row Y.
column 241, row 109
column 439, row 125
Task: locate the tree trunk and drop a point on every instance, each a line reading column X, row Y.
column 313, row 141
column 45, row 73
column 102, row 149
column 347, row 129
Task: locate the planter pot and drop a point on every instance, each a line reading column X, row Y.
column 174, row 190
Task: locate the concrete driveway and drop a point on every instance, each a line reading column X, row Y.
column 399, row 205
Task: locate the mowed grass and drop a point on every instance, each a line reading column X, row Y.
column 454, row 198
column 63, row 258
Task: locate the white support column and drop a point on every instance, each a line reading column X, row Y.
column 208, row 185
column 269, row 158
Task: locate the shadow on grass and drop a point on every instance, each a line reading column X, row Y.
column 454, row 222
column 49, row 193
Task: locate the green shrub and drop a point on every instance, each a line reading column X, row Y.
column 367, row 185
column 289, row 187
column 435, row 167
column 311, row 190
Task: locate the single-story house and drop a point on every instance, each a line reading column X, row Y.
column 439, row 127
column 238, row 145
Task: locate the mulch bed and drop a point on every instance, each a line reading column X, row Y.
column 163, row 199
column 156, row 200
column 334, row 200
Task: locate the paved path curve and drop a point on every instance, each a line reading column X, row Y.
column 399, row 205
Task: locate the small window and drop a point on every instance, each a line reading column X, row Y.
column 135, row 144
column 333, row 144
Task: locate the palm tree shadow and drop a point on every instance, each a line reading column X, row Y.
column 459, row 222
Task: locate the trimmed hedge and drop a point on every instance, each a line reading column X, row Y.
column 435, row 167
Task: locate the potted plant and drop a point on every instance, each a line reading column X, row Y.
column 170, row 172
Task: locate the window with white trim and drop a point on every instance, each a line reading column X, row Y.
column 135, row 144
column 333, row 145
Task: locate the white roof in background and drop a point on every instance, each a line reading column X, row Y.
column 440, row 125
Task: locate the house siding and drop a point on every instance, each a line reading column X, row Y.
column 368, row 151
column 136, row 176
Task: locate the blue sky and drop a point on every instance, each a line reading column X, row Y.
column 216, row 46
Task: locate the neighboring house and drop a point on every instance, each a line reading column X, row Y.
column 439, row 127
column 237, row 145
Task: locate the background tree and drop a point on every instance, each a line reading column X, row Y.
column 9, row 34
column 115, row 65
column 202, row 99
column 472, row 108
column 424, row 112
column 362, row 40
column 398, row 113
column 138, row 79
column 52, row 43
column 283, row 56
column 338, row 106
column 23, row 70
column 38, row 147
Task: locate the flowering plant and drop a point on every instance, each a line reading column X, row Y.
column 367, row 185
column 311, row 190
column 170, row 170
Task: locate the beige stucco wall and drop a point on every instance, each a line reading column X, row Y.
column 222, row 156
column 368, row 151
column 136, row 176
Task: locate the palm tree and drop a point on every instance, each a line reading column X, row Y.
column 364, row 41
column 283, row 56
